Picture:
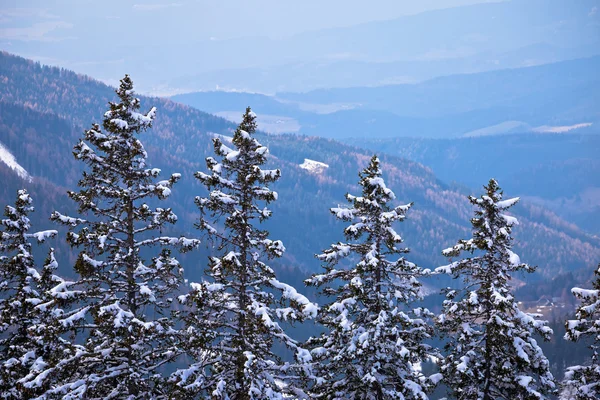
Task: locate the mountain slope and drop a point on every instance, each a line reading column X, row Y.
column 57, row 104
column 559, row 171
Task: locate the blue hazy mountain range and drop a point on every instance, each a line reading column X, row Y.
column 412, row 48
column 202, row 47
column 522, row 99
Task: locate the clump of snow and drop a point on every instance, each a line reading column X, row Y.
column 7, row 158
column 313, row 166
column 309, row 309
column 504, row 204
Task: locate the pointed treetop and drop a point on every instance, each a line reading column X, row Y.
column 493, row 197
column 17, row 216
column 492, row 188
column 22, row 204
column 248, row 121
column 372, row 170
column 372, row 182
column 17, row 225
column 375, row 193
column 125, row 88
column 242, row 136
column 491, row 227
column 124, row 116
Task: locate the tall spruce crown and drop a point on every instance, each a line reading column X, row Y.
column 492, row 351
column 234, row 318
column 373, row 336
column 124, row 317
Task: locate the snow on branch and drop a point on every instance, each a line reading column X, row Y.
column 309, row 309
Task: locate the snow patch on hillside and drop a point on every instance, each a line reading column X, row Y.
column 521, row 127
column 314, row 166
column 502, row 128
column 560, row 129
column 7, row 158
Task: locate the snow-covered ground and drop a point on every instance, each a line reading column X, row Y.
column 498, row 129
column 314, row 166
column 560, row 129
column 520, row 126
column 7, row 158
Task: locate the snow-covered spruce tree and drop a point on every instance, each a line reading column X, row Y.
column 52, row 356
column 373, row 339
column 239, row 303
column 18, row 295
column 491, row 352
column 124, row 316
column 582, row 382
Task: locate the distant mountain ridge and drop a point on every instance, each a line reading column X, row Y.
column 48, row 107
column 400, row 49
column 500, row 86
column 468, row 39
column 559, row 94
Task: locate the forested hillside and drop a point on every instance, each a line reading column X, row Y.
column 558, row 171
column 44, row 110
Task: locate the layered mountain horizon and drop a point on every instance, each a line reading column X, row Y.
column 262, row 49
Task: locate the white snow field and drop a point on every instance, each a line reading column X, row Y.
column 314, row 166
column 560, row 129
column 7, row 158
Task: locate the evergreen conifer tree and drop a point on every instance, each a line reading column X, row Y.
column 373, row 340
column 124, row 315
column 53, row 356
column 232, row 319
column 492, row 352
column 582, row 382
column 18, row 296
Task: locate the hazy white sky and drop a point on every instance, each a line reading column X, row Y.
column 183, row 45
column 43, row 20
